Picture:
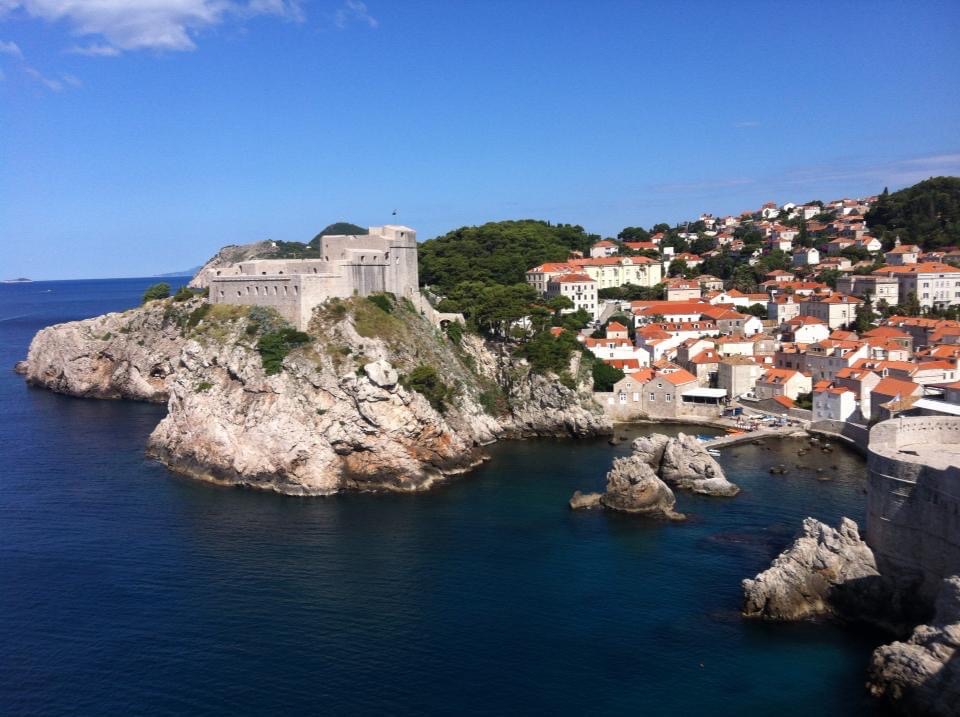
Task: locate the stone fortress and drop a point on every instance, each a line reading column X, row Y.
column 913, row 500
column 385, row 260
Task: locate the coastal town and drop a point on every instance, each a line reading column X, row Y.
column 843, row 328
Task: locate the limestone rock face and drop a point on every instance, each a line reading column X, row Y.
column 230, row 255
column 633, row 487
column 381, row 374
column 580, row 500
column 542, row 406
column 131, row 355
column 683, row 462
column 922, row 675
column 826, row 571
column 335, row 418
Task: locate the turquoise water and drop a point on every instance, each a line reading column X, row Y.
column 128, row 590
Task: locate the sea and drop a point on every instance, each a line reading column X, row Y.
column 128, row 590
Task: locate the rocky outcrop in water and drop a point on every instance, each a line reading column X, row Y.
column 921, row 676
column 337, row 416
column 132, row 355
column 579, row 501
column 633, row 487
column 825, row 572
column 683, row 462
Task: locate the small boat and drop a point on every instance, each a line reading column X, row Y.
column 713, row 452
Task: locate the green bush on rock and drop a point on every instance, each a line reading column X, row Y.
column 426, row 381
column 275, row 345
column 156, row 291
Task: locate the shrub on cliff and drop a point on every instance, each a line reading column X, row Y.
column 426, row 380
column 157, row 291
column 183, row 294
column 547, row 352
column 275, row 345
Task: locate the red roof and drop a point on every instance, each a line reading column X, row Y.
column 623, row 363
column 571, row 279
column 616, row 326
column 930, row 267
column 893, row 386
column 678, row 377
column 784, row 401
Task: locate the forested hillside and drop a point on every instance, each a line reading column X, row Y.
column 497, row 252
column 928, row 214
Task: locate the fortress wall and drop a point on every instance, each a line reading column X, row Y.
column 279, row 292
column 913, row 501
column 384, row 260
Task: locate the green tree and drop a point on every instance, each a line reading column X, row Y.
column 274, row 346
column 605, row 376
column 829, row 277
column 497, row 252
column 928, row 213
column 678, row 267
column 744, row 279
column 758, row 310
column 549, row 353
column 634, row 234
column 911, row 307
column 156, row 291
column 865, row 316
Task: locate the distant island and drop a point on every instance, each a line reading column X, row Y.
column 18, row 280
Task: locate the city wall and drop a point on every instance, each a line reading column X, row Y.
column 913, row 500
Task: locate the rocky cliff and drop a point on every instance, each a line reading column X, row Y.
column 683, row 462
column 825, row 572
column 922, row 674
column 337, row 416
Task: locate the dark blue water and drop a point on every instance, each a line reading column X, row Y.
column 127, row 590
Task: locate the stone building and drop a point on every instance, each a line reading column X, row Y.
column 383, row 260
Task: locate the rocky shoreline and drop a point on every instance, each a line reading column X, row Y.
column 336, row 417
column 831, row 573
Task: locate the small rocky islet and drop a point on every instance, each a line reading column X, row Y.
column 641, row 482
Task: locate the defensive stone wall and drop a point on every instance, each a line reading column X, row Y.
column 383, row 260
column 913, row 500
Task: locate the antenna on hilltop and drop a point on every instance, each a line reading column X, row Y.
column 394, row 212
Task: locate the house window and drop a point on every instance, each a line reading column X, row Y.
column 668, row 398
column 653, row 397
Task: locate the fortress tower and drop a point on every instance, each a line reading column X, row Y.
column 349, row 265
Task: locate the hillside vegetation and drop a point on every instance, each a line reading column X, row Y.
column 497, row 252
column 928, row 214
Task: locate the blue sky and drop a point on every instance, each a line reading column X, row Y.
column 139, row 136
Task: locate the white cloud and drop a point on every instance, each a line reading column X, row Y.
column 50, row 83
column 11, row 48
column 148, row 24
column 95, row 50
column 354, row 11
